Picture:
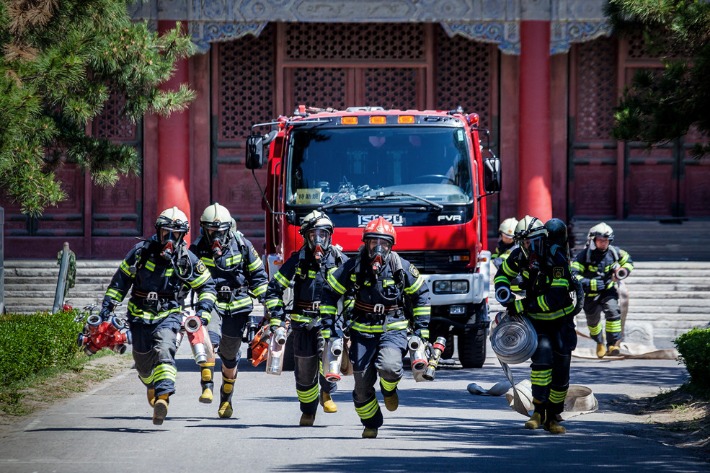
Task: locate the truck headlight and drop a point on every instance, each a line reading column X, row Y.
column 451, row 287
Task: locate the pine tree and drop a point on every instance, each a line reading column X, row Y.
column 662, row 106
column 60, row 62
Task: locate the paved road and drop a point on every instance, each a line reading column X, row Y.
column 439, row 427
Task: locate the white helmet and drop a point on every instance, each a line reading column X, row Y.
column 171, row 227
column 174, row 220
column 216, row 223
column 507, row 227
column 601, row 230
column 317, row 220
column 532, row 229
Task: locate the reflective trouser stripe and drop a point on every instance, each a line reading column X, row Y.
column 368, row 410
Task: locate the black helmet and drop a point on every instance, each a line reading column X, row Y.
column 556, row 232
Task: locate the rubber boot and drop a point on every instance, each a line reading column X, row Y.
column 391, row 401
column 307, row 420
column 160, row 409
column 613, row 350
column 555, row 427
column 369, row 433
column 150, row 394
column 601, row 350
column 327, row 402
column 538, row 418
column 225, row 398
column 534, row 422
column 207, row 376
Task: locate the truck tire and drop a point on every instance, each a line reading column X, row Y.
column 449, row 350
column 472, row 348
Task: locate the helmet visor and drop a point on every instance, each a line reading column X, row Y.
column 533, row 246
column 318, row 237
column 167, row 234
column 378, row 246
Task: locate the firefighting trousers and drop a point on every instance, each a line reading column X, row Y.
column 307, row 348
column 226, row 332
column 550, row 367
column 608, row 303
column 154, row 347
column 374, row 354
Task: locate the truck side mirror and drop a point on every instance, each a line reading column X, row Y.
column 491, row 174
column 254, row 158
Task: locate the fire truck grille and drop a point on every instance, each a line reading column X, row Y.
column 436, row 262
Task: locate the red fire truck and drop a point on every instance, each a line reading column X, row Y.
column 424, row 171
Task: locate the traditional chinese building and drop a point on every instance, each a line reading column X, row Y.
column 543, row 75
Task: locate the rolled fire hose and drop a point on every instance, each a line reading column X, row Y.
column 514, row 340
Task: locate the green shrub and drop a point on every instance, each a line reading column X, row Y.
column 694, row 350
column 29, row 343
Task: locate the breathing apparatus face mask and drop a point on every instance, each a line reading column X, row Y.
column 378, row 249
column 533, row 249
column 169, row 239
column 219, row 239
column 318, row 240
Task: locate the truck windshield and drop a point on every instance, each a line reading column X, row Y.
column 331, row 165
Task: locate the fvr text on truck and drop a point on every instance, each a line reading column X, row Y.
column 422, row 170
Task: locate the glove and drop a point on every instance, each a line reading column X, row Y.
column 204, row 320
column 105, row 314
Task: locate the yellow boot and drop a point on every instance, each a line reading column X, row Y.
column 392, row 401
column 614, row 350
column 150, row 394
column 160, row 409
column 601, row 350
column 534, row 422
column 206, row 376
column 225, row 398
column 555, row 427
column 327, row 402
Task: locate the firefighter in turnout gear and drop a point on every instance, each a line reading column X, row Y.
column 506, row 241
column 157, row 271
column 239, row 276
column 307, row 270
column 390, row 297
column 547, row 281
column 600, row 267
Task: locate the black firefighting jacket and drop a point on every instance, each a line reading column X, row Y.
column 391, row 300
column 547, row 290
column 309, row 278
column 158, row 286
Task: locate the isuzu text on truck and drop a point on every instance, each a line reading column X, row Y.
column 422, row 170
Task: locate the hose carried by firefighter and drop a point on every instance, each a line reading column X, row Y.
column 98, row 333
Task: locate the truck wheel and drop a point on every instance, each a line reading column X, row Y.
column 472, row 349
column 449, row 350
column 289, row 361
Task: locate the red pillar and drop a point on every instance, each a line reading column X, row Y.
column 535, row 175
column 174, row 145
